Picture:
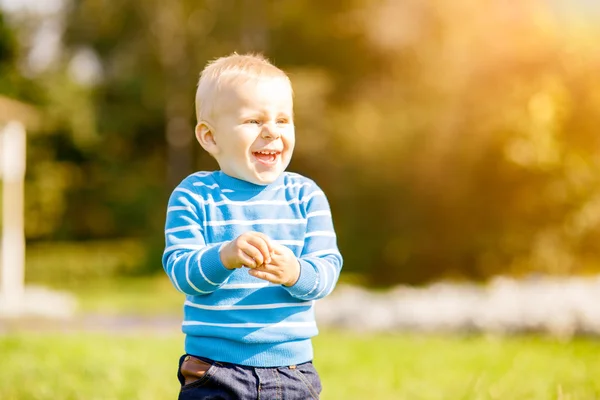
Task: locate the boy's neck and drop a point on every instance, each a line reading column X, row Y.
column 229, row 182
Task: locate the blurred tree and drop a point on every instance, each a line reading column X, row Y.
column 467, row 137
column 12, row 83
column 8, row 43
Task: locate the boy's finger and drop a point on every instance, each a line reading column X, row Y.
column 262, row 246
column 253, row 253
column 263, row 275
column 248, row 261
column 267, row 240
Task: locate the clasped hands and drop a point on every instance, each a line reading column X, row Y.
column 264, row 258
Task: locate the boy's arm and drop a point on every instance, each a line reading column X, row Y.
column 194, row 267
column 320, row 261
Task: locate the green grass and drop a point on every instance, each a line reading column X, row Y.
column 145, row 296
column 352, row 366
column 79, row 262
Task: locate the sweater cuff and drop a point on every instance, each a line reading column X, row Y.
column 307, row 281
column 213, row 268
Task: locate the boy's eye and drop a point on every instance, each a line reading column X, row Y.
column 253, row 121
column 282, row 121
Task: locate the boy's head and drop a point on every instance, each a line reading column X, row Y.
column 244, row 109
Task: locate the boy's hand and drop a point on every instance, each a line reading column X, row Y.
column 283, row 268
column 250, row 249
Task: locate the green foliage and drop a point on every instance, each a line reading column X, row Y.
column 11, row 82
column 7, row 43
column 467, row 160
column 352, row 366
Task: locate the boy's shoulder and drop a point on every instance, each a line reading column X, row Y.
column 297, row 186
column 294, row 177
column 200, row 179
column 296, row 182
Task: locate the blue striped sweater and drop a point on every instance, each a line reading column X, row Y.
column 229, row 315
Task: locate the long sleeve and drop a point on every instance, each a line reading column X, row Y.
column 193, row 266
column 320, row 260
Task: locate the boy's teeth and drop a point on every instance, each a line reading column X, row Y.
column 266, row 156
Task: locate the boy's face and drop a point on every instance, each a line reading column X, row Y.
column 253, row 130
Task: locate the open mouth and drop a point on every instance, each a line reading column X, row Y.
column 266, row 157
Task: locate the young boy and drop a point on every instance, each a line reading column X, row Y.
column 250, row 245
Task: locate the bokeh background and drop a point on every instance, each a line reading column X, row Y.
column 457, row 141
column 453, row 138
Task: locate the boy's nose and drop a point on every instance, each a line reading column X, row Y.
column 270, row 131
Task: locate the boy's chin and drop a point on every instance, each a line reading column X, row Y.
column 264, row 179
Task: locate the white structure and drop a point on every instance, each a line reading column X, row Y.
column 16, row 299
column 12, row 260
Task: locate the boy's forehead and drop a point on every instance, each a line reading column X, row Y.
column 253, row 85
column 271, row 90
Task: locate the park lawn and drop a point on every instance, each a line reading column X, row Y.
column 353, row 366
column 141, row 296
column 137, row 295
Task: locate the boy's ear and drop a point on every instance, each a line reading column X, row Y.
column 206, row 137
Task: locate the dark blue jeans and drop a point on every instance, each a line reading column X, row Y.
column 223, row 381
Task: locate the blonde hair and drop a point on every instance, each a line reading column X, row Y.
column 232, row 69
